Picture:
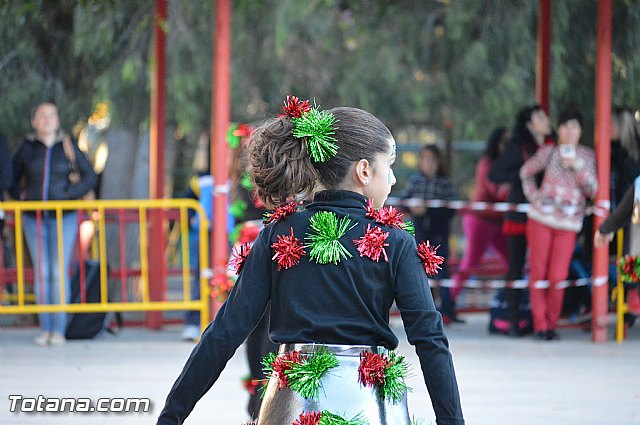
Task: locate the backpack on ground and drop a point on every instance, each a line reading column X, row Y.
column 88, row 325
column 499, row 314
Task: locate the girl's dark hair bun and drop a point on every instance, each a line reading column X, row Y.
column 279, row 164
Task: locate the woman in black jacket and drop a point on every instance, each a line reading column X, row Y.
column 530, row 132
column 41, row 172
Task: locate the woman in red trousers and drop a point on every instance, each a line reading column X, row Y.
column 555, row 217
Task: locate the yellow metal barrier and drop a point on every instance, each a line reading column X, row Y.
column 621, row 305
column 141, row 207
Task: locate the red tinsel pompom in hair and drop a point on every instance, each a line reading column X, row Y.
column 288, row 250
column 294, row 107
column 281, row 212
column 239, row 257
column 430, row 260
column 371, row 372
column 309, row 418
column 372, row 243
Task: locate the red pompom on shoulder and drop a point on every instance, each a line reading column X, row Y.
column 309, row 418
column 391, row 217
column 239, row 257
column 371, row 372
column 288, row 250
column 372, row 243
column 372, row 212
column 281, row 212
column 430, row 260
column 387, row 216
column 294, row 107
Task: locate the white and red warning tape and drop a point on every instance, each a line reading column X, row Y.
column 517, row 284
column 601, row 208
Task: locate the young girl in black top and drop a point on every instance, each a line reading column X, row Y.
column 331, row 271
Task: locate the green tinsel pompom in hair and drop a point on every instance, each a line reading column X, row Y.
column 328, row 418
column 324, row 241
column 304, row 377
column 394, row 387
column 317, row 127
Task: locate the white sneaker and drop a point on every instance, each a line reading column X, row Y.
column 191, row 333
column 42, row 339
column 57, row 339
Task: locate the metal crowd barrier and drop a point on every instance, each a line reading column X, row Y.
column 113, row 220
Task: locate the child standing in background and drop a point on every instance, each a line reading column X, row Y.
column 433, row 224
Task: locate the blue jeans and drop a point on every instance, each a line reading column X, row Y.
column 192, row 317
column 46, row 270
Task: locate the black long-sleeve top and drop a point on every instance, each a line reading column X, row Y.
column 620, row 216
column 506, row 169
column 347, row 303
column 46, row 171
column 6, row 174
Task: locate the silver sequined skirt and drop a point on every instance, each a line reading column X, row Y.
column 340, row 393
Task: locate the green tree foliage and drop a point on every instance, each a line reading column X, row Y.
column 411, row 62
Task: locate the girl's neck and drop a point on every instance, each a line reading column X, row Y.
column 538, row 138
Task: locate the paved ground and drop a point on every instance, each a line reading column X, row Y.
column 502, row 380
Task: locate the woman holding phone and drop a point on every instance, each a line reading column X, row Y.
column 555, row 217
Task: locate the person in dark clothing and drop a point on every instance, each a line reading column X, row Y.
column 331, row 294
column 248, row 212
column 433, row 224
column 6, row 175
column 529, row 134
column 5, row 183
column 626, row 213
column 625, row 152
column 42, row 164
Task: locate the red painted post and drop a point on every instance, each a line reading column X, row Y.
column 157, row 269
column 602, row 137
column 543, row 70
column 220, row 118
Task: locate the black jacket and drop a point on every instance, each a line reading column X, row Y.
column 506, row 168
column 46, row 172
column 347, row 303
column 6, row 174
column 624, row 171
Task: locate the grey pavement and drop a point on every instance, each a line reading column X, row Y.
column 502, row 380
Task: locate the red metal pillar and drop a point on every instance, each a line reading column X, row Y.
column 220, row 118
column 157, row 270
column 543, row 70
column 603, row 156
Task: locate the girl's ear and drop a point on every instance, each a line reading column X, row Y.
column 362, row 172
